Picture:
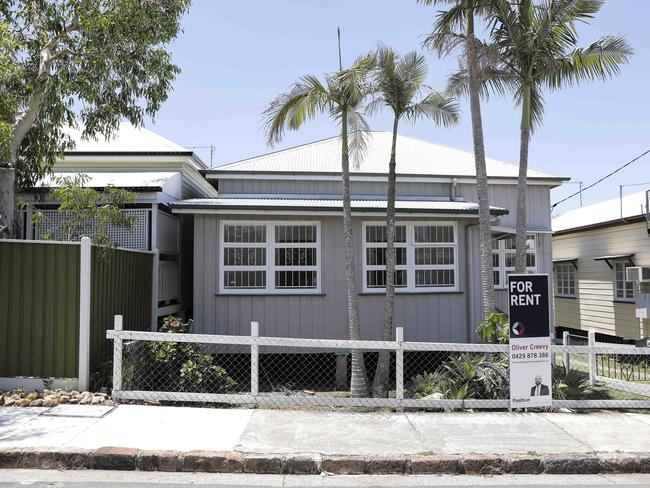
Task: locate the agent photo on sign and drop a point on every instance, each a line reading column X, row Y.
column 539, row 389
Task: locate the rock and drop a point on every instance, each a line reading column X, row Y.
column 434, row 396
column 103, row 395
column 85, row 401
column 78, row 396
column 23, row 402
column 36, row 403
column 86, row 394
column 64, row 399
column 73, row 401
column 2, row 399
column 9, row 402
column 97, row 400
column 74, row 393
column 16, row 396
column 50, row 401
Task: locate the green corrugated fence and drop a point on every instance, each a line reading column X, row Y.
column 39, row 305
column 121, row 285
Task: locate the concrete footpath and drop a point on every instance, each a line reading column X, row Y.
column 311, row 442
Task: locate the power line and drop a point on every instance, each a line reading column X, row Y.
column 600, row 180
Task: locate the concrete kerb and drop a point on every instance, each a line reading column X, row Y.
column 119, row 458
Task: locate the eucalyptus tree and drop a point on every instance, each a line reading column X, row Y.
column 399, row 85
column 454, row 32
column 97, row 61
column 537, row 47
column 341, row 96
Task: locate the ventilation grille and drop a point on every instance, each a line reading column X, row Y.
column 135, row 238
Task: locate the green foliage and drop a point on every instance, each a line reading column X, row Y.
column 495, row 329
column 86, row 211
column 574, row 385
column 465, row 376
column 174, row 366
column 98, row 61
column 174, row 325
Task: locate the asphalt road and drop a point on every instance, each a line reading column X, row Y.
column 115, row 479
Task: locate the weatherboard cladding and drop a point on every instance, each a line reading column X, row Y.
column 426, row 316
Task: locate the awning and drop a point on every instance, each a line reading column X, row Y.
column 573, row 261
column 306, row 206
column 615, row 257
column 512, row 230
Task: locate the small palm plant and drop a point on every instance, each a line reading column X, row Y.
column 341, row 97
column 399, row 86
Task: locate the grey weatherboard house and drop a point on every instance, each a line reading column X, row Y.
column 270, row 247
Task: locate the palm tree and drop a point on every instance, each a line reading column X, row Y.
column 341, row 97
column 399, row 85
column 537, row 49
column 454, row 31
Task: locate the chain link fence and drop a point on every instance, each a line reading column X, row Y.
column 289, row 372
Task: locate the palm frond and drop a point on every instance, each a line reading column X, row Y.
column 437, row 107
column 600, row 60
column 358, row 133
column 290, row 110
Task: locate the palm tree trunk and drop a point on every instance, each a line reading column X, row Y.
column 358, row 381
column 380, row 382
column 485, row 233
column 7, row 201
column 520, row 231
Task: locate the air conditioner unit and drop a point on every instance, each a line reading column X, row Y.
column 638, row 274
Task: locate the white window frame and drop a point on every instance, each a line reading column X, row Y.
column 560, row 269
column 625, row 298
column 270, row 245
column 410, row 266
column 502, row 269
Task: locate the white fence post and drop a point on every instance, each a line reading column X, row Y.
column 255, row 357
column 592, row 357
column 399, row 368
column 565, row 356
column 155, row 277
column 85, row 265
column 117, row 358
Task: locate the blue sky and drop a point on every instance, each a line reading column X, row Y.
column 236, row 56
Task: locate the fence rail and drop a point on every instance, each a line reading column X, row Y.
column 281, row 372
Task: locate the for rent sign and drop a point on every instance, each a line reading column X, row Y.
column 530, row 341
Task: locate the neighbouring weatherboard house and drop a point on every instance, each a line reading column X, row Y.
column 592, row 248
column 270, row 247
column 159, row 171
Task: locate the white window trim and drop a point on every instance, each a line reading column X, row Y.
column 411, row 267
column 270, row 245
column 569, row 266
column 617, row 298
column 502, row 268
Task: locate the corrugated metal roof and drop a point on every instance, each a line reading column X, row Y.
column 128, row 139
column 129, row 179
column 598, row 213
column 415, row 157
column 424, row 206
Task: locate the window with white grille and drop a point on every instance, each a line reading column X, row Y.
column 270, row 257
column 425, row 257
column 623, row 290
column 503, row 258
column 137, row 237
column 565, row 280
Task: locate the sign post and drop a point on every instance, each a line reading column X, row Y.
column 531, row 376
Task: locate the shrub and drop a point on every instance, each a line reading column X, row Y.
column 496, row 327
column 174, row 366
column 466, row 376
